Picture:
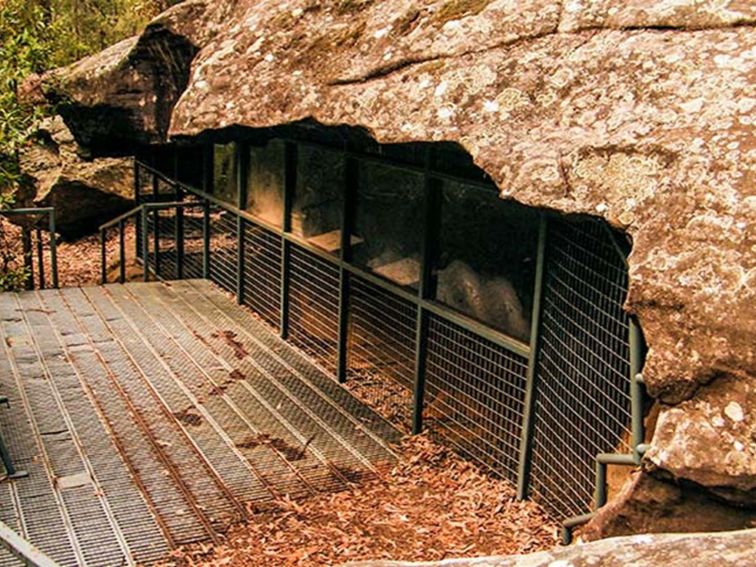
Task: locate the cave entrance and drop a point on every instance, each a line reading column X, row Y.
column 498, row 328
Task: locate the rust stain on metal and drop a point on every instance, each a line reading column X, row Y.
column 188, row 417
column 240, row 351
column 261, row 439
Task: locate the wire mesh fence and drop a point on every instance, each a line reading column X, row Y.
column 262, row 272
column 193, row 257
column 314, row 306
column 224, row 246
column 381, row 350
column 475, row 394
column 475, row 382
column 583, row 397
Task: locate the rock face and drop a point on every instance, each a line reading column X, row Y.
column 124, row 95
column 639, row 112
column 711, row 440
column 736, row 549
column 85, row 193
column 649, row 505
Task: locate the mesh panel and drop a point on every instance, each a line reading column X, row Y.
column 262, row 272
column 382, row 350
column 223, row 249
column 583, row 401
column 475, row 392
column 314, row 306
column 193, row 242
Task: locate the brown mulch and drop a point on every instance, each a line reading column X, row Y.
column 432, row 505
column 79, row 260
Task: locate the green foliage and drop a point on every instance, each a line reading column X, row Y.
column 37, row 35
column 23, row 50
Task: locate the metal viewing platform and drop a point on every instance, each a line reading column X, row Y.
column 150, row 415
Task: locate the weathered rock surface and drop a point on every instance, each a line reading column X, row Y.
column 124, row 95
column 711, row 440
column 640, row 112
column 85, row 193
column 734, row 549
column 650, row 505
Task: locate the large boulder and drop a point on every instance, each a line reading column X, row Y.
column 123, row 97
column 84, row 192
column 638, row 112
column 735, row 549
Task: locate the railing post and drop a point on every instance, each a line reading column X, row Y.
column 291, row 157
column 528, row 420
column 155, row 186
column 28, row 256
column 40, row 257
column 103, row 258
column 637, row 347
column 351, row 186
column 53, row 249
column 206, row 240
column 431, row 204
column 179, row 235
column 137, row 201
column 145, row 246
column 10, row 470
column 242, row 156
column 156, row 242
column 122, row 251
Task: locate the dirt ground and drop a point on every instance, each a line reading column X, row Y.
column 432, row 505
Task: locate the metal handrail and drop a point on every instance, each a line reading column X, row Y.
column 22, row 549
column 120, row 222
column 464, row 321
column 50, row 212
column 427, row 305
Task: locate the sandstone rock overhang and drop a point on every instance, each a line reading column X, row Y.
column 638, row 112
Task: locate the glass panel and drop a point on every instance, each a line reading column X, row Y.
column 224, row 173
column 318, row 199
column 487, row 256
column 388, row 223
column 265, row 182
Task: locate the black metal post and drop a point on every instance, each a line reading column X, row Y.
column 156, row 241
column 138, row 201
column 53, row 249
column 291, row 156
column 426, row 288
column 351, row 186
column 40, row 257
column 10, row 469
column 528, row 420
column 242, row 157
column 145, row 247
column 122, row 250
column 179, row 236
column 103, row 258
column 155, row 187
column 206, row 240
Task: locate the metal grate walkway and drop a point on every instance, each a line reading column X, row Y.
column 151, row 415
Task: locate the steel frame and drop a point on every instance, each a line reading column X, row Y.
column 422, row 299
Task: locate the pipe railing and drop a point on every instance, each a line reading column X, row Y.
column 141, row 213
column 425, row 306
column 22, row 549
column 637, row 436
column 49, row 212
